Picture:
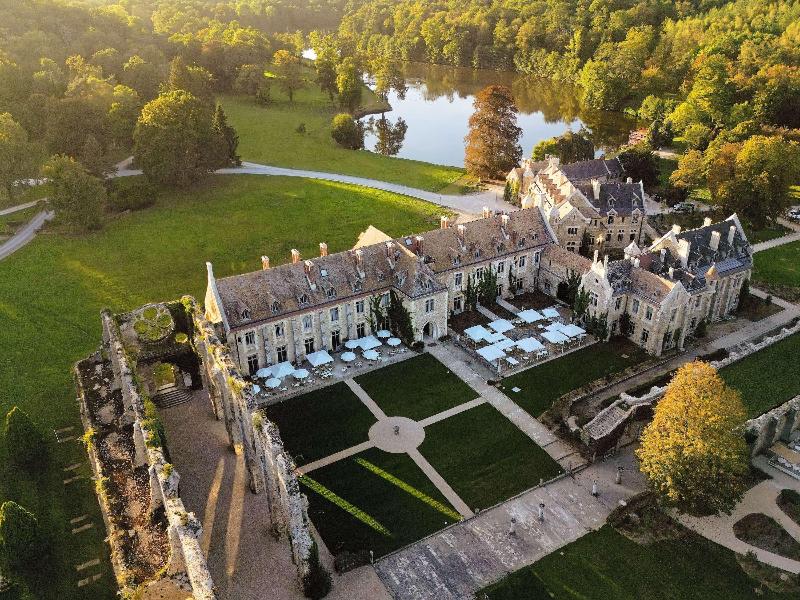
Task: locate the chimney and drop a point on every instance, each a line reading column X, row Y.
column 731, row 234
column 605, row 262
column 295, row 256
column 418, row 244
column 308, row 265
column 527, row 201
column 706, row 221
column 629, row 180
column 663, row 254
column 323, row 249
column 596, row 256
column 504, row 220
column 461, row 231
column 389, row 246
column 672, row 273
column 636, row 262
column 596, row 189
column 486, row 212
column 359, row 256
column 265, row 262
column 444, row 222
column 676, row 229
column 714, row 243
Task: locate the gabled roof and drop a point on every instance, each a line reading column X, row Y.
column 621, row 198
column 569, row 260
column 586, row 170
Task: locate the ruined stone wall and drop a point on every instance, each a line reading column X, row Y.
column 186, row 563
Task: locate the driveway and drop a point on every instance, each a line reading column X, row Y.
column 25, row 234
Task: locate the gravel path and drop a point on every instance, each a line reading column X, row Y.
column 19, row 207
column 25, row 234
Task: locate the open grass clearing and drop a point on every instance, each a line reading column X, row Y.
column 416, row 388
column 374, row 501
column 540, row 386
column 321, row 423
column 778, row 266
column 606, row 565
column 484, row 457
column 765, row 378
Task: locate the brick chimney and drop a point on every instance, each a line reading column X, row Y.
column 504, row 220
column 419, row 245
column 676, row 229
column 323, row 249
column 444, row 222
column 462, row 230
column 308, row 265
column 486, row 212
column 295, row 255
column 359, row 256
column 265, row 262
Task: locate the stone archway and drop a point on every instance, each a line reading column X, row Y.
column 430, row 331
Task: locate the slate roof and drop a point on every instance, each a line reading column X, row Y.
column 623, row 198
column 701, row 256
column 586, row 170
column 571, row 260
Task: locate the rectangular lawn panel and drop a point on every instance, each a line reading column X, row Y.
column 322, row 422
column 374, row 501
column 484, row 457
column 779, row 266
column 767, row 378
column 606, row 565
column 416, row 388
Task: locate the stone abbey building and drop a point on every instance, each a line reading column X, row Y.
column 285, row 312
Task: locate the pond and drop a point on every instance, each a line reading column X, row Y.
column 430, row 121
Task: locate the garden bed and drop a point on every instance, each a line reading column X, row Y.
column 789, row 502
column 766, row 533
column 533, row 299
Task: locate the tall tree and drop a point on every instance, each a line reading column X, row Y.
column 493, row 140
column 21, row 542
column 569, row 147
column 348, row 84
column 23, row 440
column 19, row 157
column 190, row 78
column 228, row 138
column 693, row 452
column 290, row 72
column 78, row 198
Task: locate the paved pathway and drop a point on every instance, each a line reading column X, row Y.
column 451, row 412
column 19, row 207
column 376, row 410
column 335, row 457
column 786, row 239
column 24, row 234
column 440, row 483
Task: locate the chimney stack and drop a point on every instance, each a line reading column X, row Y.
column 295, row 255
column 389, row 246
column 676, row 229
column 504, row 220
column 706, row 221
column 672, row 273
column 731, row 234
column 596, row 256
column 663, row 253
column 714, row 243
column 596, row 189
column 323, row 249
column 359, row 256
column 486, row 212
column 444, row 222
column 605, row 262
column 419, row 245
column 636, row 262
column 265, row 262
column 629, row 180
column 308, row 265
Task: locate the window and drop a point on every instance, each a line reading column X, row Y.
column 673, row 315
column 592, row 298
column 478, row 253
column 499, row 290
column 620, row 235
column 572, row 231
column 536, row 258
column 331, row 293
column 610, row 219
column 635, row 218
column 429, row 304
column 360, row 330
column 250, row 338
column 617, row 303
column 635, row 307
column 283, row 356
column 246, row 315
column 360, row 307
column 608, row 236
column 633, row 236
column 279, row 330
column 252, row 364
column 546, row 285
column 457, row 303
column 648, row 314
column 479, row 272
column 275, row 307
column 309, row 344
column 458, row 279
column 521, row 262
column 336, row 340
column 518, row 283
column 572, row 246
column 693, row 323
column 645, row 335
column 385, row 300
column 501, row 267
column 308, row 321
column 357, row 286
column 335, row 314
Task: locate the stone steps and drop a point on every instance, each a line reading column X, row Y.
column 172, row 398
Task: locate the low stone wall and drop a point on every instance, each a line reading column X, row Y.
column 778, row 424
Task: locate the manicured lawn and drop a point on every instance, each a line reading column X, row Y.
column 321, row 422
column 379, row 502
column 52, row 291
column 267, row 134
column 542, row 385
column 767, row 378
column 416, row 388
column 606, row 565
column 485, row 457
column 778, row 266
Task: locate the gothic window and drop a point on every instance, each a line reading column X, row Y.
column 246, row 314
column 307, row 322
column 309, row 345
column 252, row 364
column 279, row 330
column 458, row 279
column 250, row 338
column 429, row 305
column 335, row 314
column 275, row 307
column 283, row 356
column 303, row 299
column 360, row 307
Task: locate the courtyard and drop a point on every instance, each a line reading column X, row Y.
column 399, row 453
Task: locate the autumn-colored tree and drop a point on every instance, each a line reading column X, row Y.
column 290, row 72
column 693, row 452
column 493, row 140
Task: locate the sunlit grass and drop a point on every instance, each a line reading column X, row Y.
column 331, row 496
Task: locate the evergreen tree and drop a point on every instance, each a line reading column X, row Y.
column 492, row 144
column 24, row 442
column 21, row 543
column 228, row 139
column 349, row 84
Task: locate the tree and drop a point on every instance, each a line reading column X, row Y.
column 227, row 139
column 569, row 147
column 290, row 72
column 348, row 84
column 142, row 76
column 123, row 114
column 693, row 452
column 94, row 159
column 190, row 78
column 493, row 140
column 691, row 171
column 78, row 198
column 174, row 142
column 347, row 131
column 400, row 319
column 325, row 62
column 250, row 80
column 486, row 287
column 470, row 294
column 19, row 158
column 640, row 164
column 24, row 442
column 580, row 304
column 21, row 542
column 625, row 324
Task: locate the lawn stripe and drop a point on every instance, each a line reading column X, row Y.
column 419, row 495
column 331, row 496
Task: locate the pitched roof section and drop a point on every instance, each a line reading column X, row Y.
column 570, row 260
column 622, row 198
column 731, row 247
column 586, row 170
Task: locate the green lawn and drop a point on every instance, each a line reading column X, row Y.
column 485, row 457
column 321, row 422
column 605, row 565
column 778, row 266
column 374, row 501
column 267, row 134
column 33, row 192
column 542, row 385
column 765, row 379
column 12, row 222
column 52, row 291
column 416, row 388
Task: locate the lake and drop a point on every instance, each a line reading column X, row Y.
column 438, row 103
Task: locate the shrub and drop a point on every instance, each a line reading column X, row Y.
column 130, row 193
column 347, row 132
column 317, row 582
column 181, row 338
column 21, row 545
column 24, row 441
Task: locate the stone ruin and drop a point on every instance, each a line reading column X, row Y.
column 155, row 541
column 604, row 431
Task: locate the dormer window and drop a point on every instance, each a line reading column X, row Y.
column 303, row 300
column 246, row 315
column 275, row 307
column 477, row 253
column 357, row 286
column 331, row 293
column 323, row 272
column 456, row 261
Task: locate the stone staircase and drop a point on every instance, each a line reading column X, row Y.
column 169, row 397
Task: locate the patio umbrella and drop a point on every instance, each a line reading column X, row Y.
column 272, row 383
column 264, row 372
column 371, row 355
column 394, row 341
column 384, row 334
column 348, row 356
column 256, row 389
column 351, row 344
column 300, row 374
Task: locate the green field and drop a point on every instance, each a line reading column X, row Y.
column 52, row 291
column 267, row 135
column 379, row 502
column 321, row 422
column 605, row 565
column 765, row 379
column 416, row 388
column 779, row 266
column 542, row 385
column 484, row 457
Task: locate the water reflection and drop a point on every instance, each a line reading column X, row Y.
column 429, row 120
